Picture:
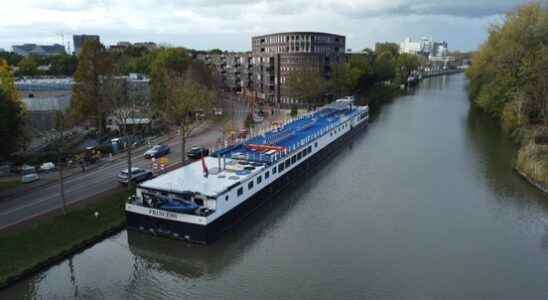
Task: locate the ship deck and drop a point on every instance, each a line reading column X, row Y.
column 288, row 136
column 248, row 158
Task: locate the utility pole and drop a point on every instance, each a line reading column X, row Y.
column 60, row 160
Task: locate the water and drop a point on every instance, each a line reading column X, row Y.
column 424, row 205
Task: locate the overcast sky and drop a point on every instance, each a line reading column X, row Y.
column 229, row 24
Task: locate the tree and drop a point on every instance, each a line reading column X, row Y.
column 61, row 120
column 125, row 109
column 306, row 85
column 168, row 64
column 508, row 73
column 63, row 65
column 405, row 65
column 93, row 64
column 11, row 58
column 341, row 84
column 392, row 48
column 12, row 115
column 27, row 67
column 184, row 100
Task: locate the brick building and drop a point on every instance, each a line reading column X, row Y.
column 263, row 72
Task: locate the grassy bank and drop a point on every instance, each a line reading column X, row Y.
column 532, row 158
column 47, row 242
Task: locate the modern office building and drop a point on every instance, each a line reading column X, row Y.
column 80, row 39
column 39, row 50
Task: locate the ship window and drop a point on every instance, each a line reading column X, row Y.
column 240, row 191
column 280, row 167
column 226, row 198
column 309, row 149
column 274, row 170
column 259, row 179
column 300, row 155
column 287, row 163
column 293, row 159
column 316, row 144
column 250, row 185
column 266, row 175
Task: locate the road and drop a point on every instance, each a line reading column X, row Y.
column 82, row 186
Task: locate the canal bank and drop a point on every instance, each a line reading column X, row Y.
column 31, row 248
column 423, row 205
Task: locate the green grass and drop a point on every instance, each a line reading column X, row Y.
column 9, row 184
column 28, row 248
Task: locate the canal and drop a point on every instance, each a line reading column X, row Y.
column 423, row 205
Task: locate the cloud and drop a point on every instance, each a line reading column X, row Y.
column 229, row 24
column 462, row 8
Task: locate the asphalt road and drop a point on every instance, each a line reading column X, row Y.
column 82, row 186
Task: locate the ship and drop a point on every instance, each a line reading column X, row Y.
column 201, row 201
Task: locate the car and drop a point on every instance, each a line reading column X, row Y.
column 217, row 112
column 197, row 152
column 157, row 151
column 47, row 167
column 26, row 169
column 137, row 175
column 30, row 177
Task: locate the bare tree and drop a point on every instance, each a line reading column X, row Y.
column 126, row 109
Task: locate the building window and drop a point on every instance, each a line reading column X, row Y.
column 240, row 191
column 266, row 175
column 259, row 179
column 250, row 185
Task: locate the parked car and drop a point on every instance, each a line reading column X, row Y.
column 137, row 175
column 217, row 112
column 47, row 167
column 30, row 177
column 197, row 152
column 157, row 151
column 26, row 169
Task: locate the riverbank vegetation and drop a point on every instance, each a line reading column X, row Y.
column 372, row 75
column 509, row 80
column 28, row 250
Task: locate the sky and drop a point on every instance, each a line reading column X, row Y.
column 230, row 24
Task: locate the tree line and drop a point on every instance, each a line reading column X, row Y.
column 363, row 71
column 509, row 74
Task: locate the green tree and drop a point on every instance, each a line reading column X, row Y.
column 184, row 100
column 12, row 114
column 168, row 64
column 307, row 85
column 405, row 65
column 94, row 63
column 27, row 67
column 508, row 73
column 63, row 65
column 392, row 48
